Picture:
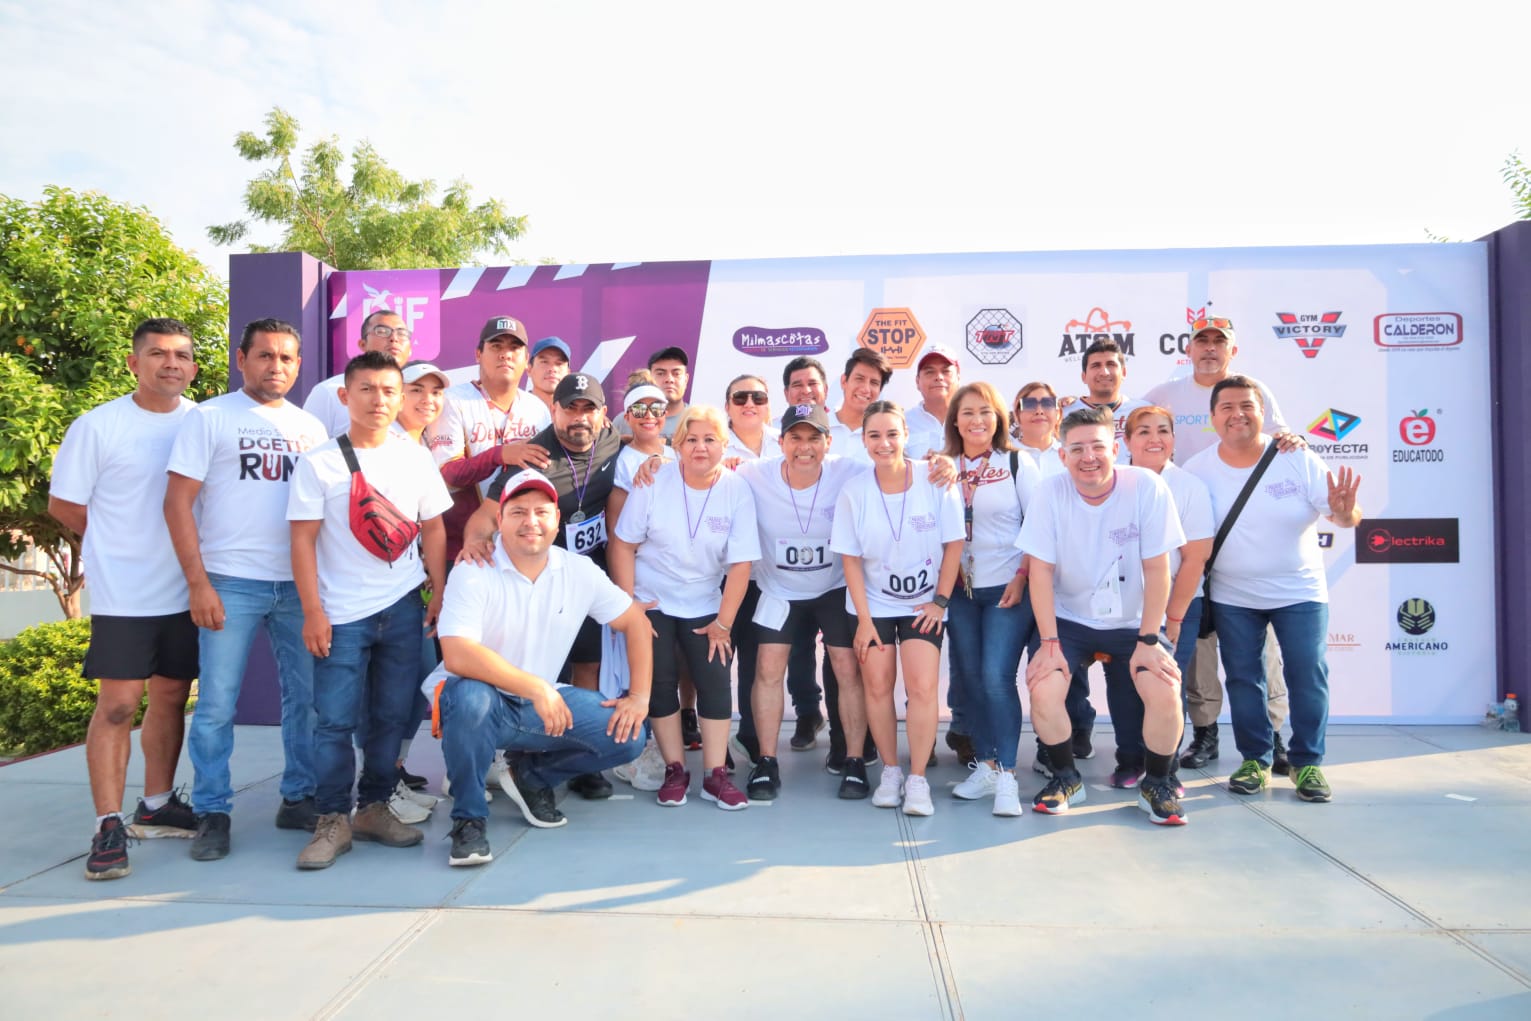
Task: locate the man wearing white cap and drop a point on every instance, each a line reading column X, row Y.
column 937, row 376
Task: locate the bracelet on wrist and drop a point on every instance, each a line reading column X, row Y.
column 1174, row 620
column 1045, row 640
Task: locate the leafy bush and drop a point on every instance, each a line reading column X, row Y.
column 44, row 702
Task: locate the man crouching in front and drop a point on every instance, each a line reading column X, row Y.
column 507, row 626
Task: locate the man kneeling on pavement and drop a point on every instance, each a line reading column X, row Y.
column 506, row 629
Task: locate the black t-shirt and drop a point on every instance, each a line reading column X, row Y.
column 593, row 470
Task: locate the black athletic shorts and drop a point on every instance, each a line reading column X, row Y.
column 136, row 648
column 895, row 630
column 824, row 613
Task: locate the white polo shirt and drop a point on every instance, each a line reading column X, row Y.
column 532, row 624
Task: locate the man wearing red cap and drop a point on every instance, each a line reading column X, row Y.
column 937, row 376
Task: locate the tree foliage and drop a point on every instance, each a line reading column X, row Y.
column 376, row 220
column 1517, row 175
column 78, row 272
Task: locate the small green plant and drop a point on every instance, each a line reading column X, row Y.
column 44, row 701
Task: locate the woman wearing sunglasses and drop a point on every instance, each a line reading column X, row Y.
column 1036, row 427
column 748, row 404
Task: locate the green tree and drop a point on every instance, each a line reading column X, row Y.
column 78, row 272
column 1517, row 175
column 377, row 220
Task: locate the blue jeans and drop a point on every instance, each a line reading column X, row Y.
column 247, row 603
column 379, row 655
column 986, row 644
column 1302, row 632
column 1079, row 644
column 1185, row 649
column 478, row 718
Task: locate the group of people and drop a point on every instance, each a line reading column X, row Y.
column 563, row 593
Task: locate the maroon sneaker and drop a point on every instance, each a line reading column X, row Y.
column 719, row 786
column 673, row 791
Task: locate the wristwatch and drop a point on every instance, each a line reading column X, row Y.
column 1152, row 639
column 940, row 600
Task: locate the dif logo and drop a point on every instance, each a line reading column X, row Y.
column 410, row 308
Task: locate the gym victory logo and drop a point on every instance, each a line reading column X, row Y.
column 1417, row 431
column 1418, row 331
column 994, row 336
column 1309, row 330
column 1097, row 325
column 1416, row 618
column 1334, row 426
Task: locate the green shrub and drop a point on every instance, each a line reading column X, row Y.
column 44, row 702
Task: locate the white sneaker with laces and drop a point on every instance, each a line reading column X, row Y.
column 917, row 796
column 646, row 772
column 420, row 798
column 1007, row 795
column 446, row 790
column 979, row 783
column 405, row 810
column 890, row 788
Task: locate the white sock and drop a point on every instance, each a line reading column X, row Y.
column 155, row 802
column 110, row 815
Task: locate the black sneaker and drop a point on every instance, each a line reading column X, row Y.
column 297, row 815
column 805, row 736
column 1280, row 764
column 853, row 781
column 1156, row 796
column 109, row 851
column 1202, row 749
column 1044, row 761
column 591, row 786
column 690, row 729
column 835, row 761
column 1060, row 794
column 765, row 780
column 469, row 845
column 536, row 803
column 414, row 781
column 172, row 819
column 1083, row 749
column 963, row 746
column 212, row 839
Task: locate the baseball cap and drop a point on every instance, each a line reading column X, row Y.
column 578, row 386
column 643, row 392
column 416, row 371
column 809, row 414
column 501, row 326
column 529, row 478
column 937, row 351
column 550, row 344
column 1222, row 324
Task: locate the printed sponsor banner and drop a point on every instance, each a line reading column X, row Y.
column 1407, row 541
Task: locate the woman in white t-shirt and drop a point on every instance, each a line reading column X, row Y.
column 1035, row 427
column 900, row 537
column 683, row 547
column 748, row 403
column 990, row 621
column 644, row 411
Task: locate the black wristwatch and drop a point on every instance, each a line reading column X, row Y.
column 1152, row 639
column 940, row 600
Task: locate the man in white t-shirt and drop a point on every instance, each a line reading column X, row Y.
column 109, row 487
column 226, row 509
column 383, row 331
column 548, row 364
column 358, row 570
column 866, row 373
column 1104, row 370
column 1100, row 540
column 486, row 424
column 937, row 376
column 1269, row 573
column 506, row 628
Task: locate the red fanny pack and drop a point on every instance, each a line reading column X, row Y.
column 378, row 525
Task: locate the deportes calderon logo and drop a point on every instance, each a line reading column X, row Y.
column 1416, row 617
column 1416, row 331
column 1334, row 425
column 789, row 342
column 1407, row 541
column 994, row 336
column 1417, row 431
column 1098, row 325
column 1309, row 330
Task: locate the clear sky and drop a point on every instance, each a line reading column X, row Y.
column 636, row 132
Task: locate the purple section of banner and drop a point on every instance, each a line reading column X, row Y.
column 655, row 304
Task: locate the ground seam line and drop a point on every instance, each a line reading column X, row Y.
column 352, row 989
column 935, row 939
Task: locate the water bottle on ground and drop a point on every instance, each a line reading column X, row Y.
column 1493, row 716
column 1510, row 714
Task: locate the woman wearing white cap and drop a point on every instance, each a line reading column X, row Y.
column 676, row 543
column 901, row 539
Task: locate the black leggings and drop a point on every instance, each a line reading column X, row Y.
column 714, row 692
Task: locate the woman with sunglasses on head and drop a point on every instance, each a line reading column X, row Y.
column 1035, row 427
column 900, row 536
column 748, row 404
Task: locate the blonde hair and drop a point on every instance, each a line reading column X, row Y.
column 706, row 414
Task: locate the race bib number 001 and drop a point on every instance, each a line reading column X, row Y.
column 801, row 556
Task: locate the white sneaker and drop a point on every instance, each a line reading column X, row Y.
column 1007, row 796
column 917, row 797
column 420, row 798
column 741, row 754
column 405, row 810
column 646, row 772
column 979, row 783
column 890, row 788
column 446, row 790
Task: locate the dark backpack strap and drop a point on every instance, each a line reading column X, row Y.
column 349, row 453
column 1015, row 465
column 1238, row 505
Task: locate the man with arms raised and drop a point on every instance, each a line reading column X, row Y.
column 226, row 508
column 383, row 331
column 109, row 486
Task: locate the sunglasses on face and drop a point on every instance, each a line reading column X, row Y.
column 1211, row 323
column 647, row 411
column 1039, row 404
column 743, row 397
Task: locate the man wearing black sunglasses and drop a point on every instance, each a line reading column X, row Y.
column 383, row 331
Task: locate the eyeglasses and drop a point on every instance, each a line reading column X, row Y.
column 647, row 411
column 1039, row 404
column 389, row 332
column 742, row 397
column 1210, row 323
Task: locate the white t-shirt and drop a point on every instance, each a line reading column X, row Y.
column 628, row 463
column 846, row 442
column 795, row 525
column 323, row 402
column 999, row 504
column 687, row 539
column 900, row 538
column 1194, row 505
column 770, row 446
column 1124, row 407
column 1047, row 461
column 927, row 433
column 112, row 462
column 1192, row 405
column 1271, row 557
column 352, row 582
column 244, row 452
column 470, row 425
column 1097, row 553
column 532, row 624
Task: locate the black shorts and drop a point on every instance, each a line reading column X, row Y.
column 587, row 644
column 895, row 630
column 825, row 614
column 136, row 648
